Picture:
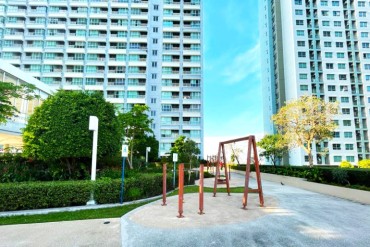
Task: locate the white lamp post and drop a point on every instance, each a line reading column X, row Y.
column 93, row 125
column 174, row 159
column 146, row 154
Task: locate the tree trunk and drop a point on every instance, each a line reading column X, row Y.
column 310, row 159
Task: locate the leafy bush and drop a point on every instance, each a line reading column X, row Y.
column 33, row 195
column 345, row 164
column 364, row 164
column 340, row 176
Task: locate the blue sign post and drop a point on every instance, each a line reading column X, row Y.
column 124, row 155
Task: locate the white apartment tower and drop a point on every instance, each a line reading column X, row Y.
column 319, row 47
column 134, row 51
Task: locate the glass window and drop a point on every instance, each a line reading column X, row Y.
column 337, row 158
column 344, row 99
column 349, row 146
column 346, row 122
column 300, row 32
column 347, row 134
column 336, row 146
column 350, row 158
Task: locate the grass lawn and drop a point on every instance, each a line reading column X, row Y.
column 114, row 212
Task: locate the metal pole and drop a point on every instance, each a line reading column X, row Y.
column 201, row 184
column 181, row 190
column 146, row 155
column 122, row 180
column 247, row 173
column 164, row 185
column 174, row 174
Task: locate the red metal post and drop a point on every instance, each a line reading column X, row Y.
column 201, row 184
column 181, row 190
column 226, row 174
column 164, row 189
column 258, row 173
column 247, row 173
column 217, row 175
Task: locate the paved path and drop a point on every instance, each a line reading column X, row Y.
column 292, row 217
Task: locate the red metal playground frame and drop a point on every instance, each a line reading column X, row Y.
column 251, row 144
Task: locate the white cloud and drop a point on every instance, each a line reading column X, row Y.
column 243, row 65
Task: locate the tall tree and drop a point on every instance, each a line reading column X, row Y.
column 8, row 91
column 186, row 149
column 305, row 121
column 59, row 129
column 136, row 124
column 274, row 147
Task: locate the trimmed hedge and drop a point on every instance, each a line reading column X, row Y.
column 35, row 195
column 322, row 174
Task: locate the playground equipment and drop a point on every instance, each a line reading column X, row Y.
column 164, row 188
column 251, row 144
column 181, row 190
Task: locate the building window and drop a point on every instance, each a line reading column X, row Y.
column 154, row 64
column 329, row 66
column 364, row 34
column 155, row 6
column 154, row 76
column 346, row 122
column 343, row 88
column 324, row 3
column 341, row 66
column 349, row 146
column 302, row 65
column 344, row 99
column 299, row 22
column 365, row 45
column 336, row 146
column 362, row 14
column 337, row 158
column 326, row 33
column 152, row 113
column 298, row 2
column 363, row 24
column 361, row 4
column 325, row 23
column 332, row 99
column 155, row 18
column 336, row 134
column 153, row 100
column 330, row 77
column 346, row 111
column 303, row 87
column 300, row 32
column 335, row 3
column 350, row 158
column 303, row 76
column 338, row 34
column 327, row 44
column 367, row 66
column 154, row 52
column 154, row 88
column 328, row 54
column 301, row 54
column 299, row 12
column 336, row 13
column 325, row 13
column 347, row 134
column 301, row 43
column 155, row 41
column 342, row 77
column 339, row 44
column 340, row 55
column 155, row 29
column 331, row 88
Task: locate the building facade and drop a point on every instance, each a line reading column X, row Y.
column 10, row 132
column 133, row 51
column 319, row 47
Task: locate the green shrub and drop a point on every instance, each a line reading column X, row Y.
column 340, row 176
column 33, row 195
column 364, row 164
column 345, row 164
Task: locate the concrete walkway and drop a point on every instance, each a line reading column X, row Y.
column 291, row 217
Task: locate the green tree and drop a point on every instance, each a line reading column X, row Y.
column 136, row 124
column 59, row 129
column 274, row 147
column 8, row 91
column 186, row 149
column 305, row 121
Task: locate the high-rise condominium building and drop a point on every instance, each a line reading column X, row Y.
column 320, row 47
column 134, row 51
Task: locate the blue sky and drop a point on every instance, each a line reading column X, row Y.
column 233, row 95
